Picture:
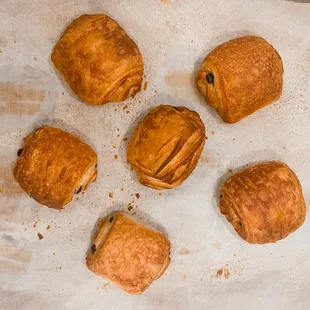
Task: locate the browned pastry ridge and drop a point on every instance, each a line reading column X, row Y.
column 99, row 61
column 54, row 164
column 264, row 203
column 240, row 77
column 128, row 253
column 166, row 146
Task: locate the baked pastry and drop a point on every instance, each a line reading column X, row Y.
column 241, row 76
column 128, row 253
column 100, row 62
column 166, row 146
column 53, row 165
column 264, row 203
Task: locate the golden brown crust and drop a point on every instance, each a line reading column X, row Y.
column 264, row 203
column 128, row 253
column 166, row 146
column 248, row 75
column 100, row 62
column 53, row 165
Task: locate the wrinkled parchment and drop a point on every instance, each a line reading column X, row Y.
column 211, row 267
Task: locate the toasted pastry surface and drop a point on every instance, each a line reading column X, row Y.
column 264, row 203
column 53, row 165
column 241, row 76
column 99, row 61
column 166, row 146
column 129, row 253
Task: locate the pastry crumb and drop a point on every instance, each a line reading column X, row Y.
column 145, row 85
column 219, row 273
column 230, row 170
column 111, row 195
column 127, row 112
column 40, row 236
column 212, row 132
column 125, row 139
column 34, row 225
column 54, row 253
column 129, row 208
column 35, row 58
column 138, row 195
column 48, row 227
column 122, row 189
column 115, row 156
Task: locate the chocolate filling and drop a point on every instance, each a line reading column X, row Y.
column 111, row 219
column 79, row 190
column 210, row 78
column 93, row 249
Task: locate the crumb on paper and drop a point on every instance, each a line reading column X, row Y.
column 25, row 229
column 223, row 271
column 219, row 273
column 48, row 227
column 111, row 195
column 230, row 170
column 125, row 107
column 34, row 225
column 212, row 133
column 54, row 253
column 122, row 189
column 138, row 195
column 184, row 275
column 40, row 236
column 234, row 139
column 35, row 58
column 130, row 208
column 127, row 112
column 14, row 41
column 125, row 139
column 1, row 191
column 145, row 85
column 235, row 254
column 226, row 273
column 60, row 267
column 63, row 93
column 115, row 156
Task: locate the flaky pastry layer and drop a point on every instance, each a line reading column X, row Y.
column 128, row 253
column 240, row 77
column 54, row 164
column 100, row 62
column 264, row 203
column 166, row 146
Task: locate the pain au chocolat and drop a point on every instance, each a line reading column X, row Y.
column 99, row 61
column 264, row 203
column 166, row 146
column 240, row 77
column 53, row 165
column 129, row 253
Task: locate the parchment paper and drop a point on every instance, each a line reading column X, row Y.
column 211, row 267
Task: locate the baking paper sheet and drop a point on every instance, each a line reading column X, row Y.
column 211, row 267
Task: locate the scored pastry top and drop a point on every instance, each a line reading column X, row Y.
column 166, row 145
